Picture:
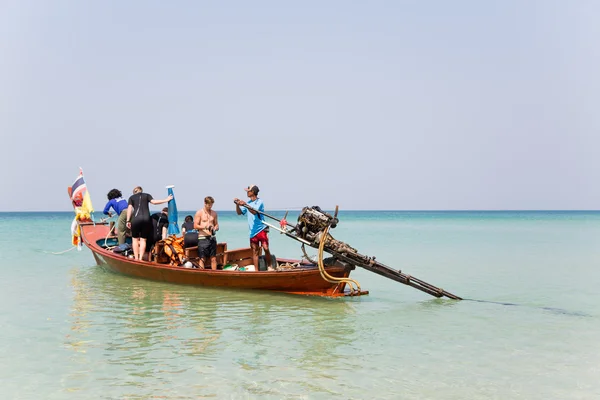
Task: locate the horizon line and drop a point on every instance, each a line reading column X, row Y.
column 369, row 210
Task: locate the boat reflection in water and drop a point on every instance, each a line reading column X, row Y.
column 134, row 337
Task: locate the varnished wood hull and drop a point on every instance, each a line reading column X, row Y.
column 305, row 280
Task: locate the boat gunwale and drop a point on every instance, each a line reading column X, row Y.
column 103, row 252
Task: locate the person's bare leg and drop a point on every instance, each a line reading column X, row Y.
column 267, row 255
column 201, row 262
column 213, row 263
column 142, row 248
column 255, row 250
column 135, row 243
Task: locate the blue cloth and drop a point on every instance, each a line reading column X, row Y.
column 254, row 221
column 173, row 228
column 119, row 204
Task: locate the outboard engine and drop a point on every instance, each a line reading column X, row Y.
column 312, row 221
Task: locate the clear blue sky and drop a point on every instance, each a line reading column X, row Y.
column 369, row 105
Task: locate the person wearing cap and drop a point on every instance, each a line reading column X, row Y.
column 206, row 222
column 258, row 232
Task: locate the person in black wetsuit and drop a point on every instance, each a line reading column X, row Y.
column 160, row 224
column 139, row 220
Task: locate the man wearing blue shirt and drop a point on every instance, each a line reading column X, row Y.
column 258, row 233
column 119, row 204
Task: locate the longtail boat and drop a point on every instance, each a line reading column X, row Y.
column 321, row 277
column 292, row 276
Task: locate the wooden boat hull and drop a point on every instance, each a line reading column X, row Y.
column 306, row 279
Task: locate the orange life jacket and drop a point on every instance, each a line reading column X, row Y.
column 169, row 250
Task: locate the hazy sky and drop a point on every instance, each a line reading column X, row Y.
column 369, row 105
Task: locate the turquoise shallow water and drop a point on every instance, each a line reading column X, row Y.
column 72, row 330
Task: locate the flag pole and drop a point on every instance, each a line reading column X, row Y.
column 89, row 196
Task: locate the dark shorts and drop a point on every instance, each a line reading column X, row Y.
column 141, row 229
column 261, row 237
column 207, row 247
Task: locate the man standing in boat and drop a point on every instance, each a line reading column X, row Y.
column 258, row 232
column 207, row 224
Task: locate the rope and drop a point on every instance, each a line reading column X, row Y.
column 60, row 252
column 108, row 234
column 74, row 247
column 333, row 279
column 287, row 265
column 306, row 256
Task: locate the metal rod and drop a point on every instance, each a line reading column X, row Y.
column 359, row 260
column 287, row 233
column 397, row 276
column 267, row 215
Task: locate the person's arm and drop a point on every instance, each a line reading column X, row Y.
column 107, row 208
column 216, row 226
column 238, row 206
column 129, row 212
column 254, row 206
column 237, row 203
column 155, row 202
column 246, row 209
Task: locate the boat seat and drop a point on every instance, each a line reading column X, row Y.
column 192, row 252
column 241, row 257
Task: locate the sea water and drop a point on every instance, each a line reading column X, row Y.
column 528, row 329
